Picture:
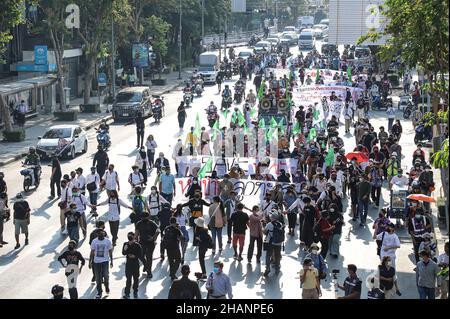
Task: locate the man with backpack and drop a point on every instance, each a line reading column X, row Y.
column 136, row 178
column 133, row 252
column 275, row 236
column 164, row 216
column 146, row 234
column 171, row 242
column 139, row 206
column 184, row 288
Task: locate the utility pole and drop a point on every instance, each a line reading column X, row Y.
column 225, row 35
column 113, row 64
column 220, row 44
column 203, row 22
column 179, row 48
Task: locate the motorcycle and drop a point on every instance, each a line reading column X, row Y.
column 159, row 100
column 198, row 89
column 238, row 95
column 422, row 134
column 228, row 73
column 226, row 102
column 187, row 99
column 103, row 139
column 212, row 117
column 28, row 175
column 407, row 111
column 157, row 112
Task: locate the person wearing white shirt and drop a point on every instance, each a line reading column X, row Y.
column 93, row 186
column 111, row 180
column 443, row 262
column 348, row 113
column 81, row 201
column 399, row 180
column 135, row 178
column 113, row 214
column 101, row 255
column 64, row 202
column 80, row 181
column 155, row 201
column 389, row 243
column 151, row 146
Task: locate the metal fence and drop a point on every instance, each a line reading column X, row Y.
column 233, row 37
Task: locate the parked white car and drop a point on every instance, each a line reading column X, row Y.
column 62, row 140
column 320, row 30
column 263, row 46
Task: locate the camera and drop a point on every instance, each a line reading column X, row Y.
column 335, row 272
column 198, row 275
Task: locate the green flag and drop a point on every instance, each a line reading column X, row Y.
column 273, row 123
column 281, row 125
column 317, row 74
column 205, row 168
column 262, row 123
column 316, row 114
column 272, row 133
column 312, row 134
column 349, row 73
column 329, row 159
column 241, row 119
column 225, row 113
column 197, row 129
column 215, row 130
column 261, row 91
column 297, row 129
column 253, row 111
column 246, row 130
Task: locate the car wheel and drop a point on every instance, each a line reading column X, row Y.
column 85, row 148
column 72, row 153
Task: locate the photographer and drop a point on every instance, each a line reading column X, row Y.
column 218, row 284
column 309, row 280
column 184, row 288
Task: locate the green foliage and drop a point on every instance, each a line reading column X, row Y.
column 10, row 16
column 157, row 28
column 440, row 158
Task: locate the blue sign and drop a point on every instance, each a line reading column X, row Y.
column 35, row 68
column 139, row 54
column 40, row 54
column 101, row 79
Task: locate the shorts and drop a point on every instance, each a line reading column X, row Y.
column 21, row 225
column 240, row 238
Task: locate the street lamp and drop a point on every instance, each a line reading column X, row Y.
column 179, row 48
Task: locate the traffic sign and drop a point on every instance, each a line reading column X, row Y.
column 101, row 79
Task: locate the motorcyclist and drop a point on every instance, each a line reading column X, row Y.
column 34, row 160
column 251, row 97
column 212, row 109
column 231, row 53
column 104, row 126
column 101, row 161
column 188, row 89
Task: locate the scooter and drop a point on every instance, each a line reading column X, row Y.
column 407, row 111
column 198, row 89
column 423, row 133
column 27, row 173
column 103, row 138
column 159, row 100
column 226, row 102
column 157, row 112
column 212, row 117
column 187, row 99
column 238, row 95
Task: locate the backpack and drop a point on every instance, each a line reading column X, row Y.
column 209, row 241
column 277, row 233
column 138, row 205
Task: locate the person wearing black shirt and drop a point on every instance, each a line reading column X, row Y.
column 306, row 234
column 72, row 258
column 201, row 240
column 164, row 216
column 55, row 177
column 171, row 242
column 352, row 284
column 101, row 161
column 140, row 127
column 3, row 187
column 283, row 178
column 184, row 288
column 133, row 252
column 21, row 219
column 337, row 220
column 196, row 206
column 240, row 222
column 387, row 278
column 146, row 233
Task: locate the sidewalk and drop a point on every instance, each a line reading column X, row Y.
column 37, row 126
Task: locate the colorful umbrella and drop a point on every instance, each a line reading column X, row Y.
column 360, row 156
column 421, row 197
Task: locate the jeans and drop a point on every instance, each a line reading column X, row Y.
column 390, row 123
column 275, row 252
column 101, row 272
column 114, row 227
column 363, row 207
column 93, row 200
column 55, row 182
column 216, row 233
column 147, row 252
column 140, row 137
column 324, row 247
column 229, row 228
column 167, row 197
column 151, row 158
column 132, row 272
column 292, row 220
column 73, row 233
column 174, row 257
column 334, row 244
column 251, row 246
column 426, row 293
column 376, row 194
column 201, row 258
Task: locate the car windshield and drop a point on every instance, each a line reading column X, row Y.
column 57, row 133
column 206, row 68
column 245, row 53
column 305, row 37
column 128, row 97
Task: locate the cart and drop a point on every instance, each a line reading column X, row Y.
column 398, row 202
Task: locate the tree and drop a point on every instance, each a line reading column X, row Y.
column 157, row 28
column 54, row 23
column 10, row 16
column 95, row 24
column 418, row 32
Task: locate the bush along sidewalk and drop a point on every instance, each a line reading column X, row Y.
column 16, row 135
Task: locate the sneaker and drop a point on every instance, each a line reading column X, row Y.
column 149, row 275
column 98, row 296
column 213, row 252
column 17, row 246
column 126, row 296
column 4, row 243
column 162, row 257
column 240, row 258
column 220, row 250
column 398, row 293
column 135, row 295
column 93, row 279
column 235, row 256
column 173, row 277
column 266, row 273
column 204, row 276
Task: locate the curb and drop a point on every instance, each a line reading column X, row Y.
column 87, row 127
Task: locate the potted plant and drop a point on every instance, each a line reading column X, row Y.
column 65, row 115
column 15, row 135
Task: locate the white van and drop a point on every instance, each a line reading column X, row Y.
column 306, row 39
column 209, row 66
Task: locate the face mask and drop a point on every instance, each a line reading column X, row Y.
column 389, row 263
column 195, row 182
column 196, row 197
column 101, row 237
column 332, row 210
column 216, row 270
column 315, row 252
column 75, row 193
column 153, row 192
column 353, row 162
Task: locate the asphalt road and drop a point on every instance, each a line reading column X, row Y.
column 32, row 270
